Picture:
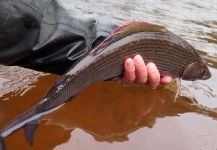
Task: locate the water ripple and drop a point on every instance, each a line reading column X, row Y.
column 17, row 80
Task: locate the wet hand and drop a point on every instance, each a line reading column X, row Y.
column 136, row 71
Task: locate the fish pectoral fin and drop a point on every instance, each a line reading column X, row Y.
column 29, row 130
column 178, row 83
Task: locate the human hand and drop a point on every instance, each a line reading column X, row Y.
column 136, row 71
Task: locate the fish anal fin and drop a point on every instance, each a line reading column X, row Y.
column 29, row 130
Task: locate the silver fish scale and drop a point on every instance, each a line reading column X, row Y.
column 171, row 61
column 165, row 50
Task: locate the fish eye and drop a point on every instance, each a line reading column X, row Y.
column 203, row 71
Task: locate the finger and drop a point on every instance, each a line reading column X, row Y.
column 165, row 80
column 140, row 69
column 129, row 70
column 153, row 75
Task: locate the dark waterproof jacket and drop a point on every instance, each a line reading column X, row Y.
column 47, row 35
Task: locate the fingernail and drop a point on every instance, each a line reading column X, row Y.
column 138, row 59
column 151, row 65
column 129, row 62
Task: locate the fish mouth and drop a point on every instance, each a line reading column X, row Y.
column 205, row 77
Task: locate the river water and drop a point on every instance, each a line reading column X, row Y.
column 109, row 116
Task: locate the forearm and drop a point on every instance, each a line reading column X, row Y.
column 47, row 36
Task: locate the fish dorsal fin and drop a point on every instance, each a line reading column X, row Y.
column 139, row 26
column 126, row 29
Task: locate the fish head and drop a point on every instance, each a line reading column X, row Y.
column 196, row 71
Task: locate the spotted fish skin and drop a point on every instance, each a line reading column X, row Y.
column 171, row 54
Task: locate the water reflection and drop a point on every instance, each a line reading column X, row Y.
column 118, row 110
column 108, row 111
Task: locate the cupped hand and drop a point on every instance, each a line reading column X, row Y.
column 136, row 71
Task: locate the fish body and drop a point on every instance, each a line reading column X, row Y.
column 172, row 55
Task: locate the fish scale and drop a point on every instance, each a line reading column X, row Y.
column 172, row 55
column 140, row 47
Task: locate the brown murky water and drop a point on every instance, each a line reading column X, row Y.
column 112, row 116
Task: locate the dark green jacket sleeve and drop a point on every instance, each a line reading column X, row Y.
column 47, row 35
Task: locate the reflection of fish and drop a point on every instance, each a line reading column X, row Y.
column 172, row 55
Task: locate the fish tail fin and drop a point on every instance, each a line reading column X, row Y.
column 29, row 120
column 2, row 144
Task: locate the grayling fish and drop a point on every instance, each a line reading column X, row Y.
column 172, row 55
